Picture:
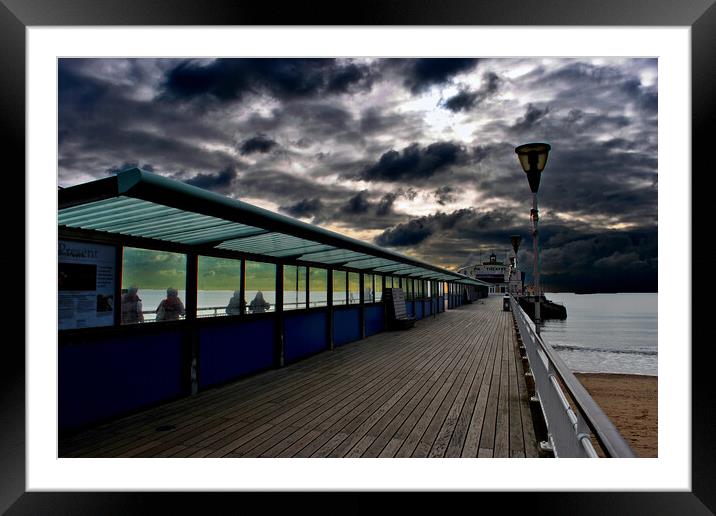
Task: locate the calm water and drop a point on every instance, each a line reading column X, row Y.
column 606, row 333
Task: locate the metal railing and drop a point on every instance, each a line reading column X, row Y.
column 569, row 430
column 219, row 311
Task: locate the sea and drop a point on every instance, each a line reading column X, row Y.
column 606, row 333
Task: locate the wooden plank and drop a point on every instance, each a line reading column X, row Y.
column 462, row 425
column 380, row 419
column 442, row 420
column 312, row 420
column 369, row 381
column 450, row 426
column 517, row 443
column 392, row 443
column 474, row 434
column 502, row 428
column 413, row 438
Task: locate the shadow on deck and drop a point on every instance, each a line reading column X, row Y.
column 450, row 387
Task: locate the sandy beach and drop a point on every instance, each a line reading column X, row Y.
column 631, row 402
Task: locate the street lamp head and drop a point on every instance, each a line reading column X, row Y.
column 533, row 158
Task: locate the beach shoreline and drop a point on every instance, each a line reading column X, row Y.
column 631, row 403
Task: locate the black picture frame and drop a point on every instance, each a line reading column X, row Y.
column 17, row 15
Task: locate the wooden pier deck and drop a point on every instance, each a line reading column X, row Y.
column 450, row 387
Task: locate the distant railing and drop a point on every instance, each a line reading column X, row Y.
column 569, row 431
column 218, row 311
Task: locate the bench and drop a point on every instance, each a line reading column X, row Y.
column 397, row 317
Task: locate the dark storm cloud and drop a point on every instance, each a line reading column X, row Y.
column 614, row 261
column 221, row 181
column 100, row 125
column 385, row 206
column 231, row 79
column 128, row 165
column 578, row 83
column 374, row 121
column 286, row 188
column 606, row 179
column 533, row 116
column 304, row 208
column 259, row 143
column 445, row 194
column 318, row 119
column 358, row 203
column 414, row 162
column 421, row 74
column 572, row 255
column 416, row 230
column 465, row 100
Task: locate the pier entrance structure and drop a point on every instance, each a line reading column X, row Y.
column 298, row 290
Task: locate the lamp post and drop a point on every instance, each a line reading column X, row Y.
column 533, row 158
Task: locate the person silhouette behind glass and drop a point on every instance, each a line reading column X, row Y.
column 131, row 307
column 259, row 304
column 235, row 304
column 171, row 306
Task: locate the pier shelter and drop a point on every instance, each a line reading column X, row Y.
column 291, row 290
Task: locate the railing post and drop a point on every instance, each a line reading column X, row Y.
column 242, row 288
column 279, row 340
column 329, row 306
column 192, row 367
column 361, row 303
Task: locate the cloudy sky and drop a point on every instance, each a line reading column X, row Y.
column 412, row 154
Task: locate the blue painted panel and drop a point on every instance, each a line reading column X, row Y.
column 233, row 350
column 346, row 325
column 409, row 308
column 374, row 320
column 441, row 303
column 101, row 379
column 418, row 309
column 304, row 334
column 428, row 308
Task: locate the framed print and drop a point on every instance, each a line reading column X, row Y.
column 196, row 63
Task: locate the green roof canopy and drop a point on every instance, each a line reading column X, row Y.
column 142, row 205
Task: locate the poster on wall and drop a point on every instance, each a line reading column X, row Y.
column 85, row 285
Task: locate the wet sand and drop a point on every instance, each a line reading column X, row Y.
column 630, row 401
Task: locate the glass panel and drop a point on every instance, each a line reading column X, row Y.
column 353, row 288
column 260, row 287
column 218, row 282
column 318, row 287
column 153, row 285
column 429, row 289
column 379, row 288
column 294, row 287
column 339, row 287
column 408, row 289
column 368, row 290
